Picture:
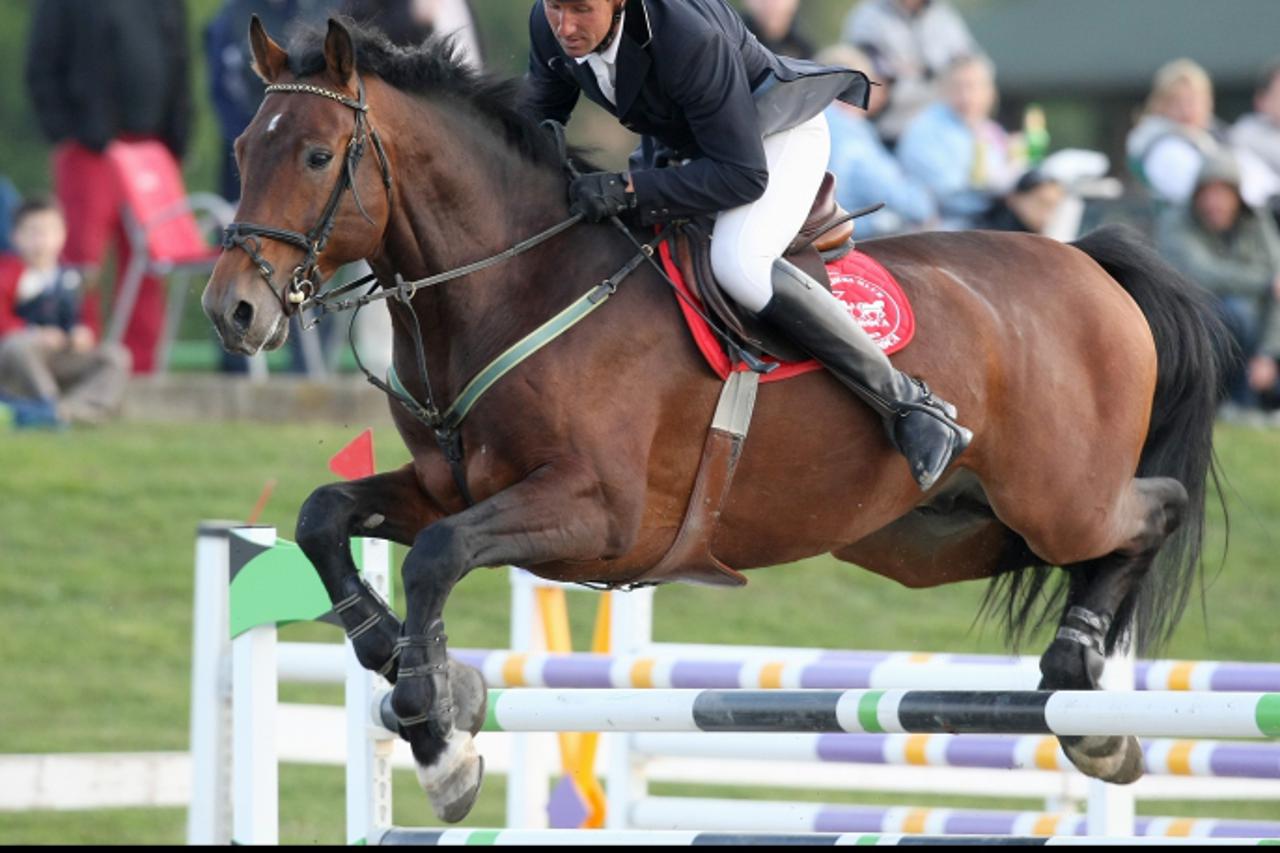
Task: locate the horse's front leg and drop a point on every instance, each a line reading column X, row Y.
column 389, row 506
column 557, row 513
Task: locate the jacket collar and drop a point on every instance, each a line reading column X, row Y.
column 633, row 59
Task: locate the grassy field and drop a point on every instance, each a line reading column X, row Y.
column 96, row 547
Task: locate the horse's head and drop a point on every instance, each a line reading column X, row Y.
column 316, row 193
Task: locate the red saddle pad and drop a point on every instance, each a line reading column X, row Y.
column 872, row 295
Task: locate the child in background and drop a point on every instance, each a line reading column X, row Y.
column 46, row 354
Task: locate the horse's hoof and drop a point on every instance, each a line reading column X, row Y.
column 1112, row 759
column 470, row 696
column 453, row 781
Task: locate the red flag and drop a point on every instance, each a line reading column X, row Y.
column 355, row 461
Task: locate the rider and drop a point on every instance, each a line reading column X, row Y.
column 745, row 134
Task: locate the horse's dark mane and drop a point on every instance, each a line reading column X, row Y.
column 434, row 68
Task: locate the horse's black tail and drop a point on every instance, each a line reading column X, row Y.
column 1190, row 342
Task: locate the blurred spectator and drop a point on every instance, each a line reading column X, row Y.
column 234, row 86
column 46, row 355
column 9, row 201
column 97, row 73
column 411, row 22
column 956, row 150
column 1233, row 252
column 407, row 23
column 1032, row 206
column 866, row 172
column 773, row 22
column 920, row 39
column 1178, row 132
column 1259, row 132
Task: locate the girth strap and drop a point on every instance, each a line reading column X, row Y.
column 689, row 558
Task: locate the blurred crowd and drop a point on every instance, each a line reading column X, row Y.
column 928, row 148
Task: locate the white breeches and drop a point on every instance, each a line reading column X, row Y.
column 748, row 239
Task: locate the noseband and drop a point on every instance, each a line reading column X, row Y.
column 244, row 235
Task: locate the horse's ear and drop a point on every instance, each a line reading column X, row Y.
column 340, row 55
column 269, row 58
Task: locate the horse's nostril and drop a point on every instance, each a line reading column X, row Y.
column 242, row 318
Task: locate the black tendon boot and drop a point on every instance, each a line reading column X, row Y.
column 921, row 425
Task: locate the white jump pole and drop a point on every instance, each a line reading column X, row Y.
column 631, row 631
column 1112, row 809
column 368, row 753
column 209, row 815
column 254, row 697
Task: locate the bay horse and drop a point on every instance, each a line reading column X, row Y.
column 1086, row 372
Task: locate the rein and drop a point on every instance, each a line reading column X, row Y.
column 300, row 294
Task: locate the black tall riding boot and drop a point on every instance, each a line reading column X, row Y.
column 921, row 425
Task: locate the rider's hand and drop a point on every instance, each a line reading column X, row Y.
column 600, row 195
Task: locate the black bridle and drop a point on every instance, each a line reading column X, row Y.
column 301, row 291
column 244, row 235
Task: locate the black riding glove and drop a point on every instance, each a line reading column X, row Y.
column 599, row 195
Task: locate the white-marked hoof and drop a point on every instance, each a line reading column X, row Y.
column 452, row 783
column 1115, row 760
column 470, row 696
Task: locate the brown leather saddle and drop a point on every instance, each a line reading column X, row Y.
column 827, row 235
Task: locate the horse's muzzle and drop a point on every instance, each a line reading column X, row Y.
column 246, row 323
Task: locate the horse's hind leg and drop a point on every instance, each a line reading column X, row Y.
column 1098, row 612
column 388, row 506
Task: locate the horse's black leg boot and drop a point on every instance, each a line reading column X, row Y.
column 921, row 425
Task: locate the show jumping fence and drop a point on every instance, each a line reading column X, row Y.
column 235, row 758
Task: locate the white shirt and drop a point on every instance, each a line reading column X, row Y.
column 605, row 64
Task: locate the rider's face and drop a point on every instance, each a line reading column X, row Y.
column 580, row 25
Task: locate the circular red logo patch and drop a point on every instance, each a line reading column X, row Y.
column 874, row 308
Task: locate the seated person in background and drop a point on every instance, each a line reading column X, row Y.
column 866, row 172
column 1178, row 132
column 919, row 40
column 956, row 150
column 1030, row 207
column 1258, row 133
column 1232, row 251
column 46, row 354
column 773, row 22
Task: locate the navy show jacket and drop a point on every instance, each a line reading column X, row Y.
column 697, row 86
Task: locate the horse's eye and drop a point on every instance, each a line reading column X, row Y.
column 319, row 159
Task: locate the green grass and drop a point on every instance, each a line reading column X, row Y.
column 96, row 547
